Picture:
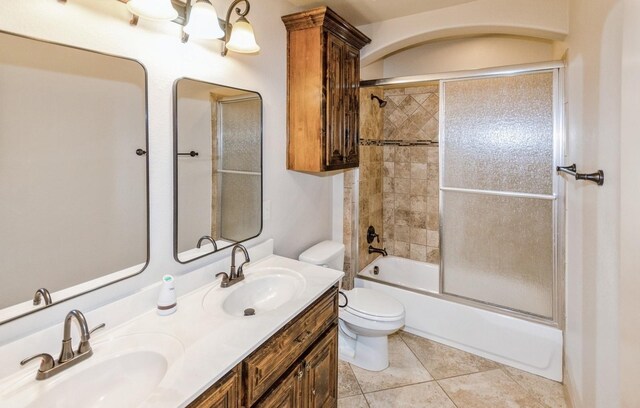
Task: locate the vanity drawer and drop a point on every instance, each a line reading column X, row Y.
column 266, row 365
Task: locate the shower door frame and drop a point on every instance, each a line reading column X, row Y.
column 558, row 186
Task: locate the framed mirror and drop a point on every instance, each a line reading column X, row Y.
column 73, row 172
column 217, row 169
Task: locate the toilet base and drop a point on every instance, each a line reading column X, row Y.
column 369, row 353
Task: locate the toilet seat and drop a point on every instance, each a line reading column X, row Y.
column 371, row 305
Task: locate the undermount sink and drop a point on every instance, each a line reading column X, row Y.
column 263, row 290
column 123, row 372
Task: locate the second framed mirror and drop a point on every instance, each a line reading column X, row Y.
column 217, row 167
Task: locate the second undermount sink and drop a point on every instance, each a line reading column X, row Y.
column 263, row 290
column 123, row 372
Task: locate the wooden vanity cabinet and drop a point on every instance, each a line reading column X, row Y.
column 312, row 383
column 297, row 367
column 323, row 81
column 226, row 393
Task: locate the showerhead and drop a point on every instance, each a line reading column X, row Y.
column 382, row 102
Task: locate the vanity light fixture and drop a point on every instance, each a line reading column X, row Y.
column 240, row 36
column 155, row 10
column 202, row 22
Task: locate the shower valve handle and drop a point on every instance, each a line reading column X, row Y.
column 371, row 235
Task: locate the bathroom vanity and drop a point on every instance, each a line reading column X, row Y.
column 206, row 354
column 297, row 367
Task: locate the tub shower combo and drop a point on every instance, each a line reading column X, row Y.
column 496, row 288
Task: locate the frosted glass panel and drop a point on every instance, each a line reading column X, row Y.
column 240, row 206
column 499, row 250
column 499, row 133
column 240, row 129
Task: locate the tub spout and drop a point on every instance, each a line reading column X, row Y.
column 382, row 251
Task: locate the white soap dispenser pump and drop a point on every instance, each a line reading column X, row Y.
column 167, row 301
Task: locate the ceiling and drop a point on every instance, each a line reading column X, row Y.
column 359, row 12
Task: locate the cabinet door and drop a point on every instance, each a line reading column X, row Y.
column 321, row 372
column 223, row 394
column 334, row 90
column 287, row 393
column 351, row 74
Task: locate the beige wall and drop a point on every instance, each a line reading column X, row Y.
column 541, row 18
column 629, row 205
column 467, row 53
column 593, row 213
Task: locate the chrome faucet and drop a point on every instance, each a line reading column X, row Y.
column 48, row 366
column 207, row 238
column 235, row 275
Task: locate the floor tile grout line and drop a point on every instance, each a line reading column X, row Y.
column 453, row 376
column 416, row 356
column 447, row 394
column 358, row 382
column 402, row 385
column 411, row 385
column 526, row 389
column 398, row 386
column 463, row 375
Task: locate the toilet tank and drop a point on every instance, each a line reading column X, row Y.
column 329, row 254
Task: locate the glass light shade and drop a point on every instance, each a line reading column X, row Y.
column 156, row 10
column 203, row 21
column 242, row 38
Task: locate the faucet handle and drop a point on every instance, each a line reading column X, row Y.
column 225, row 279
column 240, row 268
column 46, row 363
column 98, row 327
column 85, row 346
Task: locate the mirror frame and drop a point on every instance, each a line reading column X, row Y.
column 175, row 168
column 146, row 146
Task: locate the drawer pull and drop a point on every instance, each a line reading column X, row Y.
column 303, row 336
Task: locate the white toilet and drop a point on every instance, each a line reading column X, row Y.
column 368, row 318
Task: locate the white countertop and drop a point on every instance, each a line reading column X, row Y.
column 207, row 343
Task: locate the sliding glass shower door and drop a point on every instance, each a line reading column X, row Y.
column 498, row 204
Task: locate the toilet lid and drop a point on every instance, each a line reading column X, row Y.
column 369, row 302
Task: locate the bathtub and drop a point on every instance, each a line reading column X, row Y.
column 523, row 344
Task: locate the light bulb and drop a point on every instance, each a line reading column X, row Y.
column 203, row 21
column 242, row 38
column 156, row 10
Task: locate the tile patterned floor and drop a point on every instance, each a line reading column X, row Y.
column 426, row 374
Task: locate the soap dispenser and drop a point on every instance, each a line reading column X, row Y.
column 167, row 301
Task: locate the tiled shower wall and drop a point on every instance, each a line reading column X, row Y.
column 410, row 174
column 368, row 194
column 397, row 191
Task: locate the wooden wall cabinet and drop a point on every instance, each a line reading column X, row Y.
column 323, row 81
column 297, row 367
